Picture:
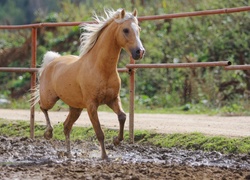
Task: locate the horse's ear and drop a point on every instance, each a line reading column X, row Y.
column 135, row 12
column 122, row 14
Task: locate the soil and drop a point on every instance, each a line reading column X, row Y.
column 24, row 158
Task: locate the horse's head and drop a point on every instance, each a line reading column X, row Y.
column 128, row 34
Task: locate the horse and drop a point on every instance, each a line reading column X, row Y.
column 90, row 79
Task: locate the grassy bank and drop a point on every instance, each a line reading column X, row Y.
column 194, row 141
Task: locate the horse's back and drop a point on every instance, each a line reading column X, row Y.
column 60, row 65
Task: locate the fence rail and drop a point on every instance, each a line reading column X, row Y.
column 129, row 68
column 180, row 65
column 238, row 67
column 31, row 70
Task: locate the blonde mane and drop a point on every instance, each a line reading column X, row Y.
column 91, row 32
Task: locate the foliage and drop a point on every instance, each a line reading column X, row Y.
column 192, row 39
column 200, row 39
column 25, row 11
column 194, row 141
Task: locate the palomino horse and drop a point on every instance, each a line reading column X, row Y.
column 91, row 79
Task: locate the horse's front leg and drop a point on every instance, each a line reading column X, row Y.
column 116, row 106
column 92, row 112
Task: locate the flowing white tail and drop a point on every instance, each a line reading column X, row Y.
column 47, row 58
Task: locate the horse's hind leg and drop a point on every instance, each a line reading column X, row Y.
column 74, row 114
column 47, row 102
column 48, row 134
column 116, row 106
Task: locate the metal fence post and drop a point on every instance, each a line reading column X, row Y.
column 33, row 81
column 131, row 101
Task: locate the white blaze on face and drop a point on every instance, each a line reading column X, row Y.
column 135, row 27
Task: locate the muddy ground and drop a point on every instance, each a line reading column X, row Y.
column 24, row 158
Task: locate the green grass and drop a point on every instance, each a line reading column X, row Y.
column 193, row 141
column 198, row 141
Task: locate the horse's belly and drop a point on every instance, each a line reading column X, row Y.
column 73, row 102
column 71, row 96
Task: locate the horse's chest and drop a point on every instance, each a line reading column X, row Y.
column 106, row 94
column 107, row 91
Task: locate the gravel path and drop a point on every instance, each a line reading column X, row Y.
column 232, row 126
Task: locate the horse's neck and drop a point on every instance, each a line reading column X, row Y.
column 105, row 53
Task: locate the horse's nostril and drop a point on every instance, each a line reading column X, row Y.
column 138, row 51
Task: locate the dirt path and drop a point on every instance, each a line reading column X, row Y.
column 162, row 123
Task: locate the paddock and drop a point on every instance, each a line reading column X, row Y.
column 30, row 158
column 130, row 67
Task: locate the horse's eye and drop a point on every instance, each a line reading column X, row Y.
column 126, row 31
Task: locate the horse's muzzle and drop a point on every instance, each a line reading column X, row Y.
column 138, row 53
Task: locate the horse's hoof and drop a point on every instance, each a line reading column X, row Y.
column 48, row 134
column 116, row 141
column 105, row 157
